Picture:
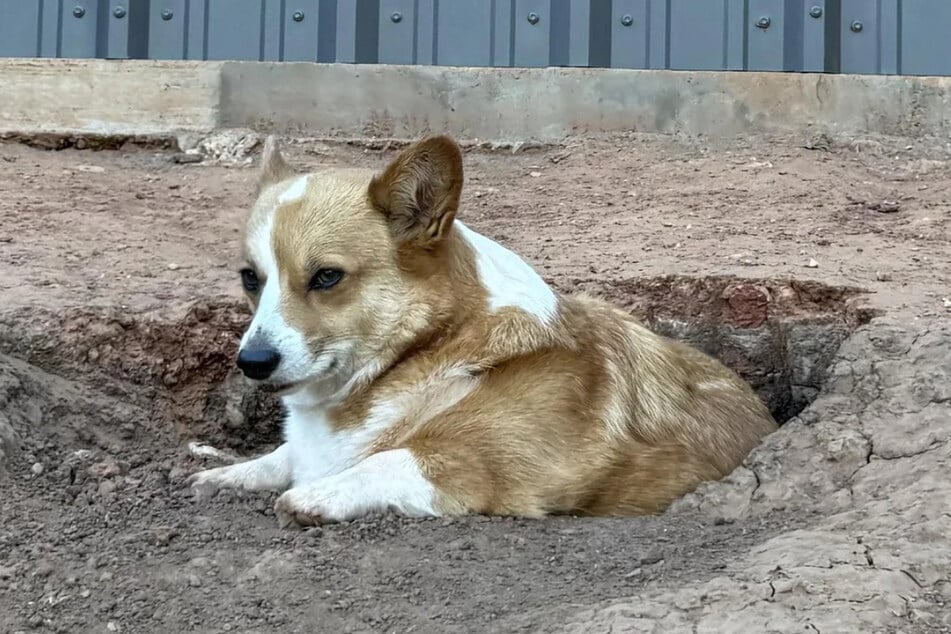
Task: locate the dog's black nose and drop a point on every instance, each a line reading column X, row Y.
column 258, row 363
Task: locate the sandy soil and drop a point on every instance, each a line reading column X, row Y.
column 120, row 313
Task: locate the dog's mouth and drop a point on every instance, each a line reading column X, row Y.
column 278, row 389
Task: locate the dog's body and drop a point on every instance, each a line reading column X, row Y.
column 429, row 371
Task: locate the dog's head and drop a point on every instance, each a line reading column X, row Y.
column 336, row 265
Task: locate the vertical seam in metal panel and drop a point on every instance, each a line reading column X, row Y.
column 414, row 56
column 435, row 32
column 281, row 31
column 261, row 17
column 667, row 31
column 204, row 41
column 186, row 23
column 647, row 34
column 59, row 30
column 878, row 36
column 39, row 28
column 726, row 35
column 491, row 32
column 898, row 39
column 513, row 10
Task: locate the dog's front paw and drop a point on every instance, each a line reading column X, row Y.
column 205, row 484
column 306, row 506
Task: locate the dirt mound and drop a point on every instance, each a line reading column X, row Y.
column 119, row 325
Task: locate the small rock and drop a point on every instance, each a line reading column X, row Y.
column 185, row 158
column 883, row 276
column 534, row 174
column 946, row 301
column 37, row 468
column 194, row 581
column 112, row 627
column 885, row 207
column 172, row 267
column 634, row 573
column 91, row 169
column 812, row 264
column 43, row 569
column 652, row 557
column 105, row 469
column 7, row 571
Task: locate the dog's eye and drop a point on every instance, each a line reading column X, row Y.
column 325, row 278
column 249, row 279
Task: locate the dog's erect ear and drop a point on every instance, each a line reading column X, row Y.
column 419, row 191
column 273, row 167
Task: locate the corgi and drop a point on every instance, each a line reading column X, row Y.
column 427, row 370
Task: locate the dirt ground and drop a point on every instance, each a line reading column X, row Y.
column 819, row 268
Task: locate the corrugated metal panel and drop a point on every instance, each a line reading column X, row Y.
column 857, row 36
column 20, row 22
column 926, row 37
column 706, row 34
column 869, row 36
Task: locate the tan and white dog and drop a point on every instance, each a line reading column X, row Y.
column 427, row 370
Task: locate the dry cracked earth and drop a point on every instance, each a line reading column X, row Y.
column 820, row 271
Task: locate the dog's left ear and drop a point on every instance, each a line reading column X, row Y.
column 273, row 168
column 419, row 191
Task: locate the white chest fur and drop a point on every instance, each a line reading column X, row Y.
column 317, row 450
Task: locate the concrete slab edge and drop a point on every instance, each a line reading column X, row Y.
column 487, row 104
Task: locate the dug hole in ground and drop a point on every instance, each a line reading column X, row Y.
column 820, row 272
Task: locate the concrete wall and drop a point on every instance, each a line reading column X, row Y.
column 489, row 104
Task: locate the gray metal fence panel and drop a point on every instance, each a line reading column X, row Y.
column 631, row 30
column 20, row 28
column 869, row 36
column 767, row 35
column 926, row 38
column 820, row 36
column 234, row 29
column 126, row 24
column 534, row 25
column 706, row 34
column 79, row 30
column 308, row 29
column 398, row 32
column 855, row 36
column 168, row 23
column 464, row 34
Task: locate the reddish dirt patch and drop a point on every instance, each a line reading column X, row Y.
column 121, row 314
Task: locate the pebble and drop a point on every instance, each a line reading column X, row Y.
column 37, row 468
column 883, row 276
column 812, row 264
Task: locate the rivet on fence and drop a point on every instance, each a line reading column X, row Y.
column 856, row 26
column 79, row 12
column 816, row 12
column 627, row 20
column 119, row 12
column 763, row 23
column 533, row 18
column 298, row 16
column 167, row 15
column 396, row 17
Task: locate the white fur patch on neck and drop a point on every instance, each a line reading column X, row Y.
column 294, row 192
column 510, row 281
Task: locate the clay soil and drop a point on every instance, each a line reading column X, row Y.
column 821, row 273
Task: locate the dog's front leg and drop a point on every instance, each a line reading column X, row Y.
column 270, row 472
column 386, row 481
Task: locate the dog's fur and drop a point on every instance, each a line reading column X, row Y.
column 442, row 376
